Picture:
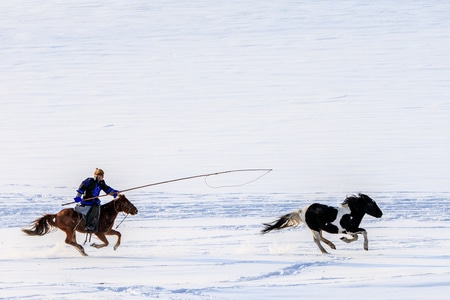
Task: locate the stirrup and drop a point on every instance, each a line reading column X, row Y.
column 89, row 228
column 87, row 235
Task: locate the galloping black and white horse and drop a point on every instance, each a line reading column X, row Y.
column 343, row 219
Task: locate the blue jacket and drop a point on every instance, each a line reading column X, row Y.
column 90, row 188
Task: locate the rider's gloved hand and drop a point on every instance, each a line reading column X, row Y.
column 77, row 199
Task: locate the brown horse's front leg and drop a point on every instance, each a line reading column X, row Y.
column 119, row 237
column 101, row 236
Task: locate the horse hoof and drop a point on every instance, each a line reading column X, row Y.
column 98, row 246
column 344, row 239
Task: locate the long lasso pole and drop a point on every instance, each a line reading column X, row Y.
column 182, row 178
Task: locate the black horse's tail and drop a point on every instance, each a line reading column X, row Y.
column 41, row 226
column 289, row 220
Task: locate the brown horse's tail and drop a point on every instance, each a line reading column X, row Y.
column 41, row 226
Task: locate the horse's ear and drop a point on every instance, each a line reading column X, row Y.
column 349, row 198
column 354, row 199
column 366, row 198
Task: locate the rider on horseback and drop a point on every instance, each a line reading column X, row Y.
column 89, row 206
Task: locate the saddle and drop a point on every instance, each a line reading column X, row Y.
column 91, row 219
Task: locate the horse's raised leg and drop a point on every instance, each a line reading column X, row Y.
column 102, row 237
column 332, row 246
column 316, row 238
column 71, row 240
column 354, row 237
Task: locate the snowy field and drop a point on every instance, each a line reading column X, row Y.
column 193, row 246
column 338, row 97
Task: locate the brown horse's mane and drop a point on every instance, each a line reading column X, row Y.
column 110, row 206
column 109, row 212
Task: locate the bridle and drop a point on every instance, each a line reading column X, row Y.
column 123, row 210
column 124, row 206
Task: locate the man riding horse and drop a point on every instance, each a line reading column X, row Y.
column 89, row 205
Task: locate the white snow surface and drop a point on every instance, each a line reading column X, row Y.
column 338, row 97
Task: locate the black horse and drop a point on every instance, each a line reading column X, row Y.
column 343, row 219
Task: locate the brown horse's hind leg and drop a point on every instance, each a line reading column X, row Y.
column 71, row 240
column 102, row 237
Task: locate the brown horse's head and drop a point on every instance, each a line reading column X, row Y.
column 121, row 203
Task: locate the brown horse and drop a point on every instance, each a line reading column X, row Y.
column 69, row 221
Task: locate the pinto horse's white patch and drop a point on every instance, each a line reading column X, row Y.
column 303, row 213
column 342, row 211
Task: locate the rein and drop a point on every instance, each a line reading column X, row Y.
column 118, row 211
column 126, row 215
